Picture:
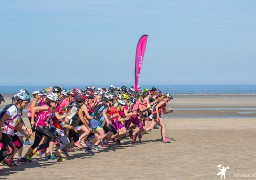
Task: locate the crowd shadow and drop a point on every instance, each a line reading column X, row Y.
column 42, row 163
column 81, row 154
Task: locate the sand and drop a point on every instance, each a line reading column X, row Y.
column 201, row 144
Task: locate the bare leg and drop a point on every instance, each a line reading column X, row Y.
column 51, row 144
column 152, row 125
column 101, row 135
column 163, row 128
column 86, row 133
column 21, row 149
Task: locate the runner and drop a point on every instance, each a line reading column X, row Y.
column 144, row 108
column 83, row 115
column 10, row 119
column 72, row 122
column 158, row 109
column 134, row 119
column 1, row 98
column 42, row 124
column 119, row 119
column 37, row 97
column 99, row 114
column 93, row 114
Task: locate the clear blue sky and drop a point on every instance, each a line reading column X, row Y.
column 81, row 42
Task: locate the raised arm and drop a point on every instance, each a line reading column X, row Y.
column 105, row 116
column 36, row 109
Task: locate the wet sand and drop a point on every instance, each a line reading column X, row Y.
column 205, row 106
column 201, row 144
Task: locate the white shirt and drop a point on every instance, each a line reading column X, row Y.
column 12, row 121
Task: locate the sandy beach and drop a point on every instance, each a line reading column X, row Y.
column 214, row 133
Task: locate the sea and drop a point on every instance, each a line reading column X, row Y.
column 176, row 90
column 173, row 89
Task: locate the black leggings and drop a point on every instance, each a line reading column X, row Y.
column 46, row 144
column 16, row 141
column 73, row 135
column 109, row 128
column 8, row 148
column 40, row 132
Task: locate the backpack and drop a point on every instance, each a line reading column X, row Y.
column 5, row 110
column 98, row 111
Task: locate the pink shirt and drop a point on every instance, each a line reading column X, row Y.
column 62, row 105
column 44, row 116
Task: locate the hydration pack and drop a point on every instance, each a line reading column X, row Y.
column 5, row 110
column 98, row 111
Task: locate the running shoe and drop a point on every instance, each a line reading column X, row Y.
column 41, row 153
column 171, row 139
column 52, row 158
column 118, row 142
column 61, row 159
column 97, row 148
column 89, row 150
column 29, row 158
column 78, row 144
column 65, row 153
column 73, row 149
column 9, row 163
column 26, row 142
column 166, row 141
column 82, row 143
column 88, row 143
column 105, row 143
column 140, row 137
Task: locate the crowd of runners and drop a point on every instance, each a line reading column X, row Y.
column 65, row 120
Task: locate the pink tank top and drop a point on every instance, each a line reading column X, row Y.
column 43, row 117
column 136, row 108
column 62, row 105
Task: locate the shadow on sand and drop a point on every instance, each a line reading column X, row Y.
column 5, row 172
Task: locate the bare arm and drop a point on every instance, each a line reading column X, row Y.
column 58, row 116
column 67, row 125
column 84, row 108
column 157, row 107
column 33, row 104
column 127, row 114
column 144, row 109
column 81, row 117
column 21, row 128
column 123, row 119
column 168, row 110
column 105, row 116
column 36, row 109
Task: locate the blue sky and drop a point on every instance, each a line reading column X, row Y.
column 94, row 42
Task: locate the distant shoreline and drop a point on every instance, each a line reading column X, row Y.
column 200, row 90
column 204, row 106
